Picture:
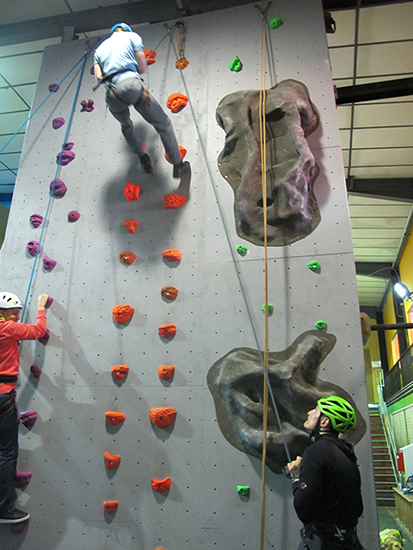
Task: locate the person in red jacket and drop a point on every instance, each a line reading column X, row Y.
column 10, row 333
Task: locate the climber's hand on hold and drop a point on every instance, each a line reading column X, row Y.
column 42, row 301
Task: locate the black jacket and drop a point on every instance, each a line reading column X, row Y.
column 328, row 490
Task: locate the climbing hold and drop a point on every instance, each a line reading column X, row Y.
column 114, row 418
column 182, row 152
column 53, row 87
column 166, row 371
column 321, row 325
column 73, row 216
column 22, row 478
column 235, row 65
column 120, row 371
column 43, row 340
column 36, row 220
column 182, row 63
column 167, row 331
column 173, row 200
column 169, row 292
column 314, row 266
column 131, row 225
column 112, row 461
column 176, row 102
column 68, row 146
column 65, row 157
column 34, row 369
column 242, row 249
column 162, row 416
column 58, row 188
column 48, row 263
column 49, row 302
column 150, row 56
column 110, row 506
column 132, row 191
column 161, row 485
column 127, row 257
column 17, row 528
column 122, row 313
column 87, row 106
column 172, row 255
column 28, row 418
column 275, row 23
column 58, row 122
column 243, row 490
column 33, row 247
column 270, row 308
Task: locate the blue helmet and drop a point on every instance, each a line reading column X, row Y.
column 123, row 26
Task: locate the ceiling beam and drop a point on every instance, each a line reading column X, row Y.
column 381, row 270
column 352, row 4
column 375, row 90
column 382, row 188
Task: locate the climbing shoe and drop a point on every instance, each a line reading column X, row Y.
column 146, row 163
column 181, row 169
column 16, row 516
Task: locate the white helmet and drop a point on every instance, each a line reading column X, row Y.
column 8, row 300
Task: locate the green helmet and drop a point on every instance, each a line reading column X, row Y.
column 339, row 411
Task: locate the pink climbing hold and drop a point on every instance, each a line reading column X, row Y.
column 65, row 157
column 34, row 369
column 92, row 70
column 33, row 247
column 53, row 87
column 28, row 418
column 49, row 302
column 58, row 188
column 68, row 146
column 36, row 220
column 87, row 105
column 22, row 478
column 48, row 263
column 73, row 216
column 43, row 340
column 58, row 122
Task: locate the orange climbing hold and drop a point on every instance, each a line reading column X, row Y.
column 161, row 485
column 166, row 371
column 169, row 292
column 120, row 371
column 110, row 506
column 112, row 461
column 127, row 257
column 182, row 152
column 162, row 416
column 150, row 56
column 173, row 200
column 131, row 225
column 176, row 102
column 182, row 63
column 114, row 418
column 172, row 255
column 167, row 331
column 132, row 191
column 122, row 313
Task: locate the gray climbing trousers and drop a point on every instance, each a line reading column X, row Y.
column 129, row 92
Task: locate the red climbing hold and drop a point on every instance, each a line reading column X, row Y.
column 34, row 369
column 131, row 225
column 127, row 257
column 122, row 313
column 166, row 371
column 120, row 371
column 167, row 331
column 73, row 216
column 169, row 292
column 176, row 102
column 112, row 461
column 162, row 416
column 53, row 87
column 132, row 191
column 173, row 200
column 22, row 478
column 161, row 485
column 172, row 255
column 28, row 418
column 182, row 152
column 110, row 506
column 114, row 418
column 43, row 340
column 150, row 56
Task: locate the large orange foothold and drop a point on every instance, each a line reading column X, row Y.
column 162, row 416
column 120, row 371
column 169, row 292
column 150, row 56
column 182, row 63
column 122, row 313
column 112, row 461
column 161, row 485
column 110, row 506
column 167, row 331
column 172, row 255
column 114, row 417
column 132, row 191
column 131, row 225
column 176, row 102
column 166, row 371
column 173, row 200
column 127, row 257
column 182, row 152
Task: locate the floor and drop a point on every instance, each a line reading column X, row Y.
column 388, row 520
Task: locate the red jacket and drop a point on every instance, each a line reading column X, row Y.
column 10, row 334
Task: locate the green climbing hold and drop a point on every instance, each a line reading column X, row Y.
column 235, row 65
column 242, row 249
column 314, row 266
column 275, row 23
column 270, row 308
column 243, row 490
column 321, row 325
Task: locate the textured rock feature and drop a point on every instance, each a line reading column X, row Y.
column 28, row 418
column 176, row 102
column 73, row 216
column 48, row 263
column 110, row 506
column 167, row 331
column 173, row 200
column 131, row 225
column 236, row 383
column 58, row 188
column 165, row 372
column 22, row 478
column 111, row 461
column 169, row 292
column 114, row 418
column 172, row 255
column 291, row 170
column 161, row 485
column 33, row 247
column 122, row 313
column 36, row 220
column 120, row 371
column 132, row 191
column 162, row 416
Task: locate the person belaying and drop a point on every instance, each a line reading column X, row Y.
column 11, row 332
column 119, row 62
column 326, row 480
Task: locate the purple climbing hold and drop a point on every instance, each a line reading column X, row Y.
column 34, row 369
column 17, row 528
column 32, row 247
column 53, row 87
column 28, row 418
column 43, row 340
column 48, row 263
column 65, row 157
column 58, row 188
column 73, row 216
column 49, row 302
column 92, row 70
column 22, row 478
column 68, row 146
column 87, row 105
column 36, row 220
column 58, row 122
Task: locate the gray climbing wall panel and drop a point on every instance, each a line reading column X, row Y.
column 65, row 448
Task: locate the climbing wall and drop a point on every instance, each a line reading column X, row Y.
column 218, row 306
